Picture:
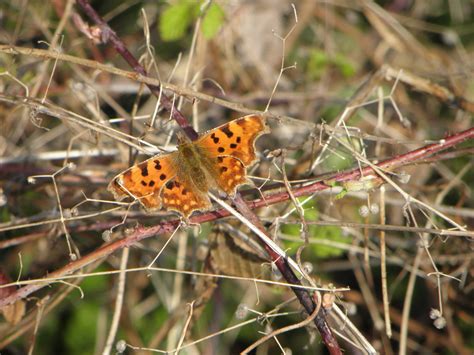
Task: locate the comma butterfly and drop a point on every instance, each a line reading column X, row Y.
column 180, row 180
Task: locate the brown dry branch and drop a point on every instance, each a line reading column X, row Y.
column 107, row 34
column 347, row 177
column 353, row 176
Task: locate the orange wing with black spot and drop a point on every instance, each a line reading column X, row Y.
column 179, row 196
column 161, row 181
column 232, row 174
column 155, row 184
column 144, row 181
column 232, row 145
column 236, row 138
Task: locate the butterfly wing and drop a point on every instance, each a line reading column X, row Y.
column 231, row 148
column 180, row 196
column 232, row 173
column 227, row 149
column 144, row 181
column 236, row 139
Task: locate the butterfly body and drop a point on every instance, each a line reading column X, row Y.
column 180, row 180
column 194, row 166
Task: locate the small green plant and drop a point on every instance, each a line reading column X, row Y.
column 178, row 17
column 319, row 61
column 328, row 233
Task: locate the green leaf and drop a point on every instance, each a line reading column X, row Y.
column 341, row 194
column 340, row 158
column 4, row 215
column 326, row 233
column 212, row 21
column 344, row 65
column 310, row 214
column 175, row 20
column 81, row 329
column 317, row 63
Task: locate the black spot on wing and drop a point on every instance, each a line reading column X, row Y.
column 170, row 185
column 151, row 183
column 144, row 169
column 227, row 131
column 162, row 177
column 221, row 149
column 238, row 140
column 233, row 145
column 157, row 164
column 214, row 138
column 144, row 183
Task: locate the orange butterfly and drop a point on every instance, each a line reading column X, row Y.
column 180, row 180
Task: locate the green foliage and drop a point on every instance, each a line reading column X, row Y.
column 212, row 21
column 96, row 284
column 468, row 329
column 4, row 215
column 341, row 158
column 338, row 160
column 341, row 194
column 28, row 202
column 319, row 62
column 178, row 17
column 330, row 233
column 50, row 329
column 155, row 319
column 344, row 65
column 175, row 20
column 75, row 331
column 82, row 329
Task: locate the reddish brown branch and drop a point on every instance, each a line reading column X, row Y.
column 109, row 35
column 283, row 266
column 168, row 226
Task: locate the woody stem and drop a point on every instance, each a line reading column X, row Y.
column 109, row 35
column 285, row 269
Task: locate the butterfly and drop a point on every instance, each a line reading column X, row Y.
column 180, row 181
